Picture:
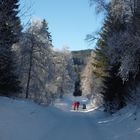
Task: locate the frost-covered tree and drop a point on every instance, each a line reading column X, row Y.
column 46, row 73
column 10, row 29
column 46, row 30
column 65, row 75
column 87, row 78
column 101, row 5
column 102, row 61
column 123, row 44
column 35, row 66
column 118, row 41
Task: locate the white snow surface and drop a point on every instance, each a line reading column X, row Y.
column 26, row 120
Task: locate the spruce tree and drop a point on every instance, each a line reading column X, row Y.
column 105, row 69
column 118, row 43
column 45, row 29
column 10, row 30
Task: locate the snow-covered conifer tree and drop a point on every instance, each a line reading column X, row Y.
column 35, row 60
column 10, row 29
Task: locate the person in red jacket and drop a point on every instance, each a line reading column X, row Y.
column 74, row 105
column 78, row 104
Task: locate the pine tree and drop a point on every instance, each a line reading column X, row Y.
column 45, row 28
column 119, row 43
column 10, row 30
column 103, row 68
column 113, row 87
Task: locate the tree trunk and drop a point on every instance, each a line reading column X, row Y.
column 30, row 69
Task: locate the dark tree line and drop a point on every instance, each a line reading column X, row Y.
column 10, row 30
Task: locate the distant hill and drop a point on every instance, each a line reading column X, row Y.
column 80, row 58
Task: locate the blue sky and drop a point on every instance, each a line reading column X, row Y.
column 69, row 20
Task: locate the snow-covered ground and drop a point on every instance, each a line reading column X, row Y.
column 25, row 120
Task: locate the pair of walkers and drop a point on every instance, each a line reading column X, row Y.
column 76, row 105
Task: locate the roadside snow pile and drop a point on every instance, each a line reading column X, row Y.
column 123, row 125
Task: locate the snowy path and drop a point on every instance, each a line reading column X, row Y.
column 74, row 126
column 25, row 120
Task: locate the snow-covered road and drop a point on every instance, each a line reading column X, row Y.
column 25, row 120
column 74, row 126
